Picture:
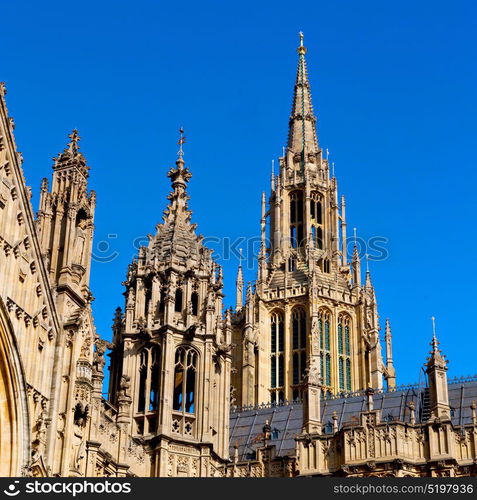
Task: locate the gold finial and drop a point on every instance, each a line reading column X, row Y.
column 301, row 49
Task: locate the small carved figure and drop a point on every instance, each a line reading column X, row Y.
column 80, row 241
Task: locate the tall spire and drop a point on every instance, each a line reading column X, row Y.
column 368, row 283
column 436, row 358
column 388, row 340
column 302, row 137
column 239, row 285
column 391, row 372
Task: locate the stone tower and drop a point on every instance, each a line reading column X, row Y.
column 171, row 348
column 309, row 310
column 65, row 226
column 65, row 223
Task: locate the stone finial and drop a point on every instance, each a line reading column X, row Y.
column 412, row 410
column 370, row 401
column 267, row 430
column 73, row 146
column 71, row 157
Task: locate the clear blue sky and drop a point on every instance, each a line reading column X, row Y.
column 394, row 87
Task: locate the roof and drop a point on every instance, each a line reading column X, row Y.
column 286, row 420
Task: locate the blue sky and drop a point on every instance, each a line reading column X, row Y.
column 394, row 90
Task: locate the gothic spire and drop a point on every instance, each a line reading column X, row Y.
column 176, row 239
column 178, row 197
column 436, row 358
column 368, row 283
column 389, row 345
column 302, row 137
column 239, row 285
column 390, row 370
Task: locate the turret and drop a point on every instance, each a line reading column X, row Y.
column 172, row 345
column 65, row 222
column 436, row 369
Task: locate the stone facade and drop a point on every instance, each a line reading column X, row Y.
column 291, row 382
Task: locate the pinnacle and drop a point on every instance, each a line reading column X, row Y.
column 388, row 328
column 74, row 140
column 302, row 135
column 436, row 357
column 71, row 155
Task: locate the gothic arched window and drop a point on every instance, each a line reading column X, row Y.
column 344, row 352
column 326, row 266
column 148, row 389
column 185, row 375
column 316, row 215
column 299, row 335
column 155, row 374
column 277, row 348
column 162, row 300
column 296, row 219
column 324, row 322
column 141, row 405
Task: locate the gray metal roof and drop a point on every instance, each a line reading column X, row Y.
column 286, row 420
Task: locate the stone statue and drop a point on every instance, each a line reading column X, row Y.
column 39, row 444
column 80, row 241
column 78, row 444
column 124, row 385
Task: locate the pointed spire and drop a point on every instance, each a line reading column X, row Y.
column 388, row 340
column 302, row 137
column 436, row 358
column 239, row 284
column 355, row 247
column 434, row 337
column 368, row 282
column 344, row 238
column 356, row 262
column 180, row 176
column 272, row 178
column 391, row 372
column 263, row 227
